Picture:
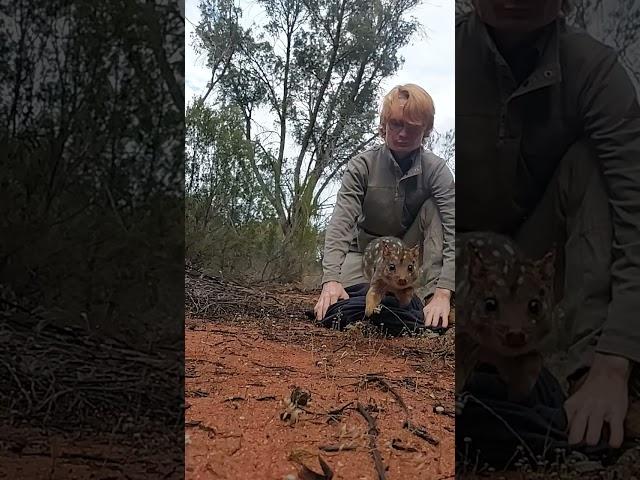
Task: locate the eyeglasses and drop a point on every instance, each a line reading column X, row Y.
column 398, row 125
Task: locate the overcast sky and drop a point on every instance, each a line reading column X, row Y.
column 429, row 61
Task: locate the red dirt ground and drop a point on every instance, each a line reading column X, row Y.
column 239, row 370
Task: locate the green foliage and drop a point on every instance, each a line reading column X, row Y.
column 230, row 227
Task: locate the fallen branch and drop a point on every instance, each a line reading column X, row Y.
column 373, row 433
column 217, row 297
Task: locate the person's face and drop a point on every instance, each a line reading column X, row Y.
column 522, row 16
column 401, row 136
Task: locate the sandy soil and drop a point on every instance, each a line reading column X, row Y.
column 239, row 371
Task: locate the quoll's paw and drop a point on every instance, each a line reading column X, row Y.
column 376, row 309
column 371, row 303
column 369, row 307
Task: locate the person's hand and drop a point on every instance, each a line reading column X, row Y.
column 438, row 308
column 331, row 293
column 602, row 398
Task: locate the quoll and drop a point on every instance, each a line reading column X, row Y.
column 390, row 267
column 504, row 304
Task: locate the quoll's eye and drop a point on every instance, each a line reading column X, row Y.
column 410, row 268
column 534, row 307
column 490, row 305
column 392, row 266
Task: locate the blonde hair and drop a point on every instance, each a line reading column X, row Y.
column 419, row 109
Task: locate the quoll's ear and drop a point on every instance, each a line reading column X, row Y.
column 415, row 251
column 477, row 269
column 547, row 265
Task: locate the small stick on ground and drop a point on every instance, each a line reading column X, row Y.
column 408, row 424
column 336, row 414
column 373, row 433
column 336, row 350
column 420, row 432
column 373, row 378
column 234, row 399
column 266, row 397
column 337, row 447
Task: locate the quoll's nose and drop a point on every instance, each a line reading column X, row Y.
column 402, row 282
column 515, row 339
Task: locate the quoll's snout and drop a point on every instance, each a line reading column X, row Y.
column 402, row 282
column 515, row 339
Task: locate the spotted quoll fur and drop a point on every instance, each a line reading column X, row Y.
column 504, row 303
column 390, row 267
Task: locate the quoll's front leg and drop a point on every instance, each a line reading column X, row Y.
column 374, row 297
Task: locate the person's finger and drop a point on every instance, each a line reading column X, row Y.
column 318, row 308
column 343, row 295
column 445, row 318
column 322, row 309
column 436, row 317
column 616, row 437
column 325, row 307
column 578, row 426
column 570, row 410
column 429, row 318
column 333, row 299
column 594, row 427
